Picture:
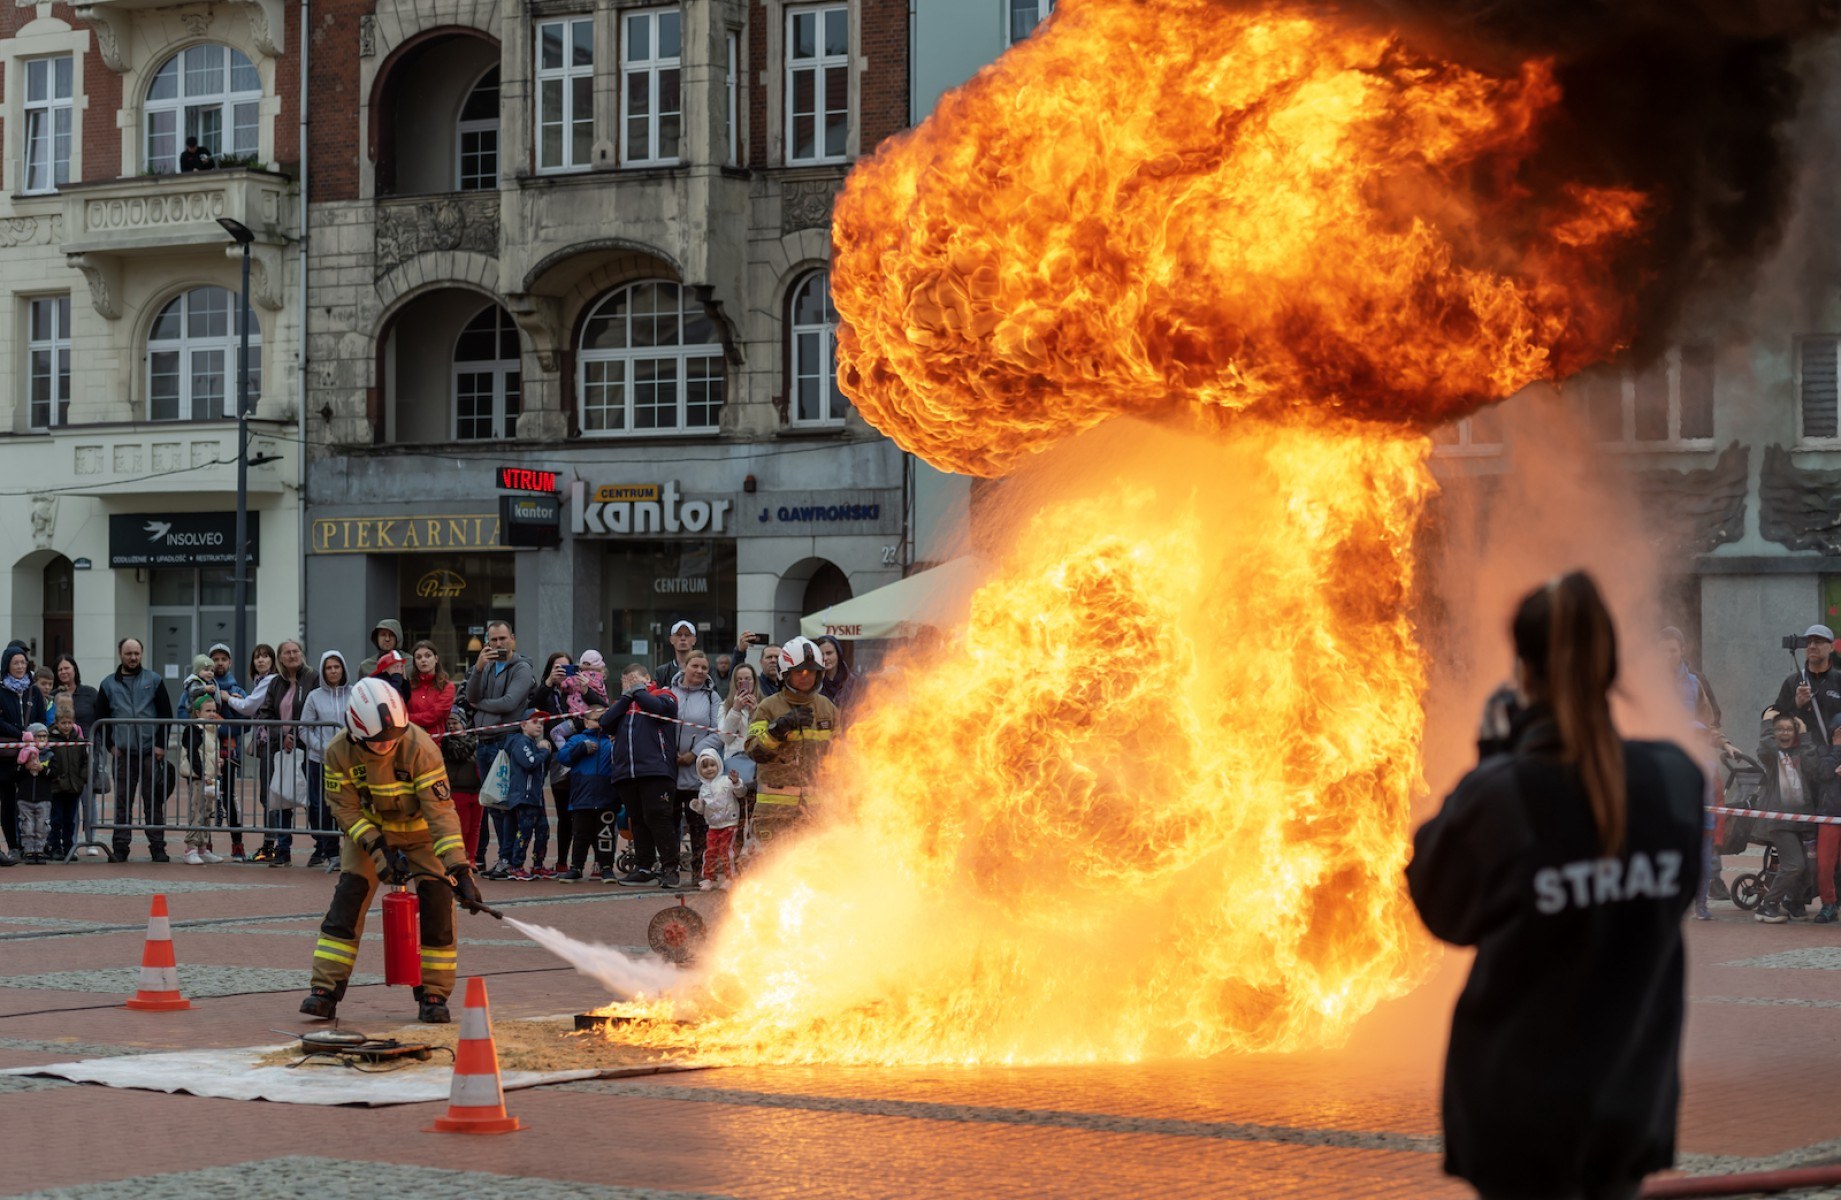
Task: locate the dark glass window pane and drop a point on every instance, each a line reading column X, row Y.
column 1652, row 404
column 551, row 40
column 1697, row 391
column 805, row 35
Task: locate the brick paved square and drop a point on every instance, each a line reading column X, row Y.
column 302, row 1177
column 122, row 885
column 194, row 981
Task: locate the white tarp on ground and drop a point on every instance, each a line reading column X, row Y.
column 936, row 597
column 231, row 1075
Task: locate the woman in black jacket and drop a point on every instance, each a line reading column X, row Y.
column 82, row 695
column 1568, row 858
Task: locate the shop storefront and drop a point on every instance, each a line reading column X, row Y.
column 188, row 561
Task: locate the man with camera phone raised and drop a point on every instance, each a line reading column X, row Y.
column 1812, row 693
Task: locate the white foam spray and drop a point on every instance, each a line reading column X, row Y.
column 627, row 976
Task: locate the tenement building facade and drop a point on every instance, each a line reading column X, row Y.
column 120, row 322
column 581, row 246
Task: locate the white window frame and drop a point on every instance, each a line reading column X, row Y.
column 57, row 347
column 477, row 125
column 819, row 65
column 734, row 98
column 622, row 363
column 45, row 169
column 568, row 74
column 822, row 336
column 652, row 69
column 1467, row 443
column 190, row 347
column 183, row 103
column 1013, row 9
column 504, row 423
column 1628, row 442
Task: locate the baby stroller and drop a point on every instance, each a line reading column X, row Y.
column 1744, row 777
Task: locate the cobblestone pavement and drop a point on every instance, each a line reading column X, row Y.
column 1361, row 1122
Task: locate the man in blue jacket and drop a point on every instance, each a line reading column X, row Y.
column 642, row 723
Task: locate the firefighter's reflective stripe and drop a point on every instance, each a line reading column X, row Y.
column 337, row 951
column 423, row 782
column 778, row 796
column 758, row 731
column 360, row 828
column 439, row 958
column 451, row 842
column 413, row 825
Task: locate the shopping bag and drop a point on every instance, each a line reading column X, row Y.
column 287, row 780
column 497, row 784
column 100, row 781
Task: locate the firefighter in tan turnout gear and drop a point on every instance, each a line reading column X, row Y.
column 387, row 788
column 787, row 737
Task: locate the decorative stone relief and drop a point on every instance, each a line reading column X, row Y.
column 112, row 33
column 1699, row 509
column 450, row 223
column 148, row 212
column 1799, row 507
column 44, row 520
column 128, row 460
column 88, row 460
column 205, row 453
column 540, row 317
column 267, row 24
column 367, row 36
column 196, row 21
column 806, row 204
column 31, row 231
column 166, row 456
column 103, row 274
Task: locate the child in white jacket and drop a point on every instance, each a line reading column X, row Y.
column 719, row 803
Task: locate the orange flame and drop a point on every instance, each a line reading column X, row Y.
column 1153, row 798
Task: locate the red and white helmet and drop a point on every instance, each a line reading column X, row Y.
column 801, row 653
column 375, row 712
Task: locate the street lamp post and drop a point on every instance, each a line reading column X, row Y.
column 241, row 235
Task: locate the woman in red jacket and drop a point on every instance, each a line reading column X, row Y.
column 431, row 693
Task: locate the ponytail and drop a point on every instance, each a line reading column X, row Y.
column 1564, row 636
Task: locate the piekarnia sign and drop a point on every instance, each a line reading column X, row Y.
column 179, row 539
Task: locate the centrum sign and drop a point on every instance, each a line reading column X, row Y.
column 666, row 512
column 178, row 539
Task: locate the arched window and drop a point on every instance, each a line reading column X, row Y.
column 191, row 356
column 486, row 377
column 816, row 398
column 476, row 151
column 209, row 92
column 650, row 363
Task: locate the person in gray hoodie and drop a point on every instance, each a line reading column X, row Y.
column 321, row 717
column 700, row 710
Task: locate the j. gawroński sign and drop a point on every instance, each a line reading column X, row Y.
column 179, row 539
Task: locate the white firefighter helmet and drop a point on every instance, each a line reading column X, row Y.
column 374, row 714
column 801, row 653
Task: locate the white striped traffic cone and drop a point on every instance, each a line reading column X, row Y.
column 476, row 1104
column 159, row 989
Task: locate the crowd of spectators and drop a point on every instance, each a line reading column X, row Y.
column 530, row 753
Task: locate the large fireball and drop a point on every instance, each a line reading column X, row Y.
column 1153, row 798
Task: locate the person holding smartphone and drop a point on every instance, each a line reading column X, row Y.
column 1568, row 857
column 497, row 690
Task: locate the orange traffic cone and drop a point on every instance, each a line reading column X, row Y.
column 477, row 1103
column 159, row 990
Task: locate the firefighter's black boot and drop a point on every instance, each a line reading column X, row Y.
column 320, row 1003
column 431, row 1010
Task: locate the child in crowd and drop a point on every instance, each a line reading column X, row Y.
column 529, row 755
column 34, row 790
column 588, row 686
column 202, row 681
column 590, row 755
column 47, row 682
column 457, row 751
column 718, row 802
column 202, row 751
column 69, row 772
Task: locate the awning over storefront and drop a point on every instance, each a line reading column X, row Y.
column 935, row 597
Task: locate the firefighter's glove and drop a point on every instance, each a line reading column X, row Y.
column 381, row 861
column 785, row 725
column 466, row 891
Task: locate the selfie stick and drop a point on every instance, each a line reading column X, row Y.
column 1802, row 669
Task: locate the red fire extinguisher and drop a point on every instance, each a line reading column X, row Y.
column 402, row 938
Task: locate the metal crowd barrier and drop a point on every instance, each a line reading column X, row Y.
column 161, row 779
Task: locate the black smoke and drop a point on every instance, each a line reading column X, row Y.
column 1691, row 101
